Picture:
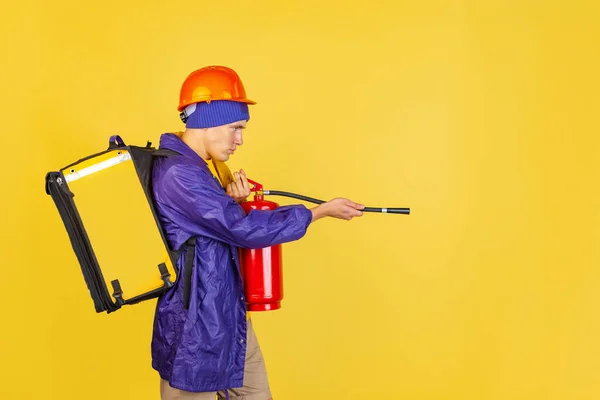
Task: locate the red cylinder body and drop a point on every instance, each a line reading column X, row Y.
column 261, row 268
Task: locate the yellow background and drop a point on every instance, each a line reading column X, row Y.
column 482, row 116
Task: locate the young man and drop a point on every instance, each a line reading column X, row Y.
column 204, row 345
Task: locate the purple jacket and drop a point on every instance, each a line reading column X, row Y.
column 202, row 349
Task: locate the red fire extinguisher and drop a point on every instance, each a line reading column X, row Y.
column 261, row 268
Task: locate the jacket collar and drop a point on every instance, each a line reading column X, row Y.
column 172, row 142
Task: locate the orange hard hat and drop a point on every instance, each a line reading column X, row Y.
column 212, row 83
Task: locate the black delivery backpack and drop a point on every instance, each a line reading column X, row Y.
column 106, row 205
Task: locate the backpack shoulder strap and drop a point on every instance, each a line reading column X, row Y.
column 165, row 153
column 190, row 246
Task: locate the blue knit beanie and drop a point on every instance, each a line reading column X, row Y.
column 215, row 113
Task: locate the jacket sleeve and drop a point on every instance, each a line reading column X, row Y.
column 201, row 208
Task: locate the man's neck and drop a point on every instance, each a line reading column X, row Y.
column 193, row 138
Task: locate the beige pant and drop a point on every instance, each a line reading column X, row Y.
column 256, row 384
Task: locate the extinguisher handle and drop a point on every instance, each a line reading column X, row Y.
column 257, row 186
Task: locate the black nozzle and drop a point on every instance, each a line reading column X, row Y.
column 387, row 210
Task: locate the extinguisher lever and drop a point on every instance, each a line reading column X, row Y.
column 257, row 186
column 257, row 189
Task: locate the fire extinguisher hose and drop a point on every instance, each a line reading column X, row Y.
column 317, row 201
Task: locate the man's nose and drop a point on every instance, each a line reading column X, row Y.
column 238, row 139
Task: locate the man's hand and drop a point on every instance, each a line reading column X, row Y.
column 338, row 208
column 240, row 188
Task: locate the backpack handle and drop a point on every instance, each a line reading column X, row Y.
column 115, row 141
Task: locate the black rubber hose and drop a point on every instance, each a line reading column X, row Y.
column 317, row 201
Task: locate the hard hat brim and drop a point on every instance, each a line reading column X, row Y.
column 185, row 104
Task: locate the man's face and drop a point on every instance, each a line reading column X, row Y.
column 222, row 141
